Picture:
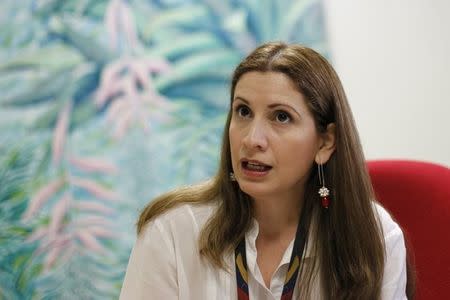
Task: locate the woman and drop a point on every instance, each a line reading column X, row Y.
column 290, row 213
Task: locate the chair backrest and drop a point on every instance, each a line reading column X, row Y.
column 418, row 196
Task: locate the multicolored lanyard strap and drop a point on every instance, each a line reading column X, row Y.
column 291, row 275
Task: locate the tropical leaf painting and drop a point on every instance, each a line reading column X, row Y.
column 105, row 104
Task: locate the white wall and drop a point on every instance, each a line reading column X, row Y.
column 393, row 57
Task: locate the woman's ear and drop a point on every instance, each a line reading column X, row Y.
column 328, row 144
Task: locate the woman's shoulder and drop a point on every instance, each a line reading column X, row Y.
column 395, row 268
column 388, row 224
column 198, row 212
column 184, row 218
column 179, row 206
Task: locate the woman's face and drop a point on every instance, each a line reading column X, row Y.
column 273, row 138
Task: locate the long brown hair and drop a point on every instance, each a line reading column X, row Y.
column 348, row 242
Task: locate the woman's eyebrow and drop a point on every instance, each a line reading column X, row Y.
column 271, row 106
column 242, row 99
column 275, row 105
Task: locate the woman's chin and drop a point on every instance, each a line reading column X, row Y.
column 256, row 190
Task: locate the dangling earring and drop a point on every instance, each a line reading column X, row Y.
column 324, row 193
column 232, row 177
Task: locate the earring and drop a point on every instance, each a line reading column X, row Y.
column 324, row 193
column 232, row 177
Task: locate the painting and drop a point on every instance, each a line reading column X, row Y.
column 105, row 104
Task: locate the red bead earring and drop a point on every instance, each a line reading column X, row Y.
column 324, row 193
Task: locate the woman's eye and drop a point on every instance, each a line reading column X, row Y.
column 282, row 117
column 243, row 111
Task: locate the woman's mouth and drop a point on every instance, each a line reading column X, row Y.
column 255, row 168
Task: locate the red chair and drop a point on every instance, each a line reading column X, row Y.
column 418, row 196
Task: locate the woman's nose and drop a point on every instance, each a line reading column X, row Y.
column 256, row 136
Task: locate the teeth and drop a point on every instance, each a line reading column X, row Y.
column 256, row 167
column 254, row 164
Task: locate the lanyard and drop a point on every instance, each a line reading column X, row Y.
column 291, row 275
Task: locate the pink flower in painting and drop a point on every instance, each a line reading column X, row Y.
column 125, row 74
column 57, row 247
column 58, row 239
column 93, row 164
column 110, row 84
column 42, row 196
column 51, row 257
column 48, row 242
column 94, row 188
column 60, row 133
column 101, row 232
column 90, row 241
column 57, row 215
column 128, row 83
column 120, row 24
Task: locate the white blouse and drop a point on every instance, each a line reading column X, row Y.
column 165, row 262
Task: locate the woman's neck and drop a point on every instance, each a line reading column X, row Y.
column 277, row 217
